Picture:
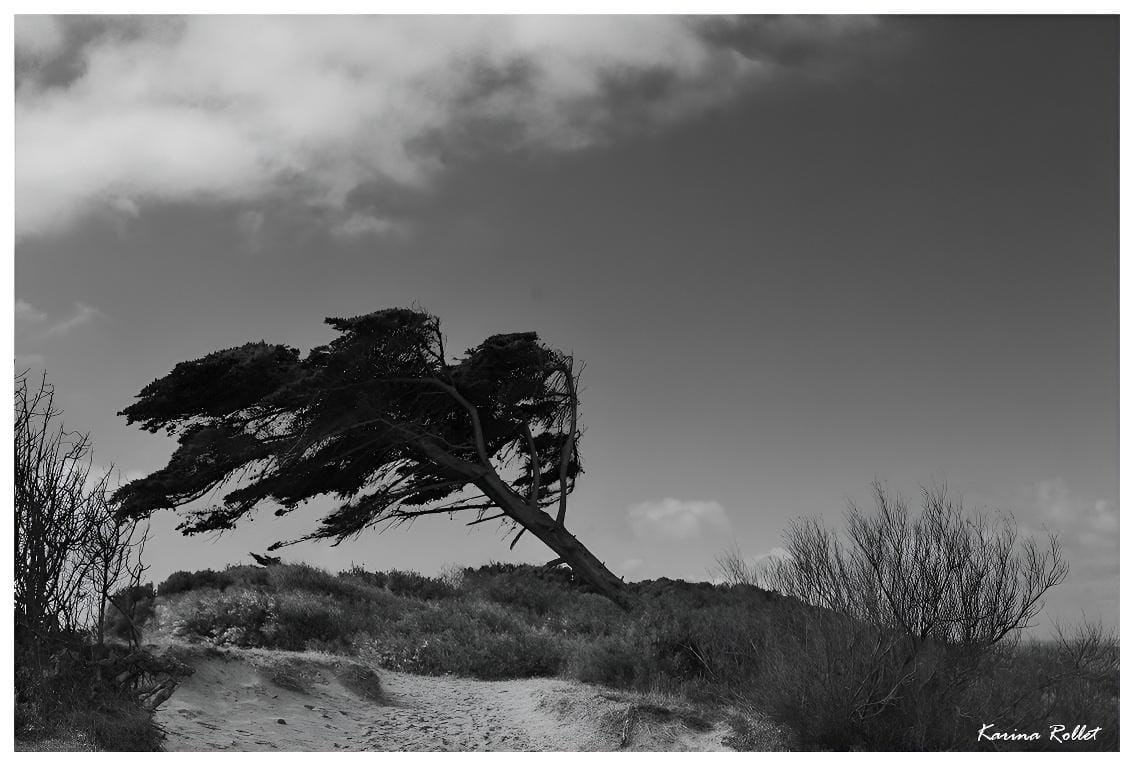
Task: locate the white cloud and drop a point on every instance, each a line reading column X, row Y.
column 25, row 312
column 1087, row 523
column 35, row 324
column 124, row 207
column 1089, row 530
column 759, row 560
column 733, row 566
column 361, row 225
column 116, row 477
column 678, row 519
column 259, row 109
column 83, row 314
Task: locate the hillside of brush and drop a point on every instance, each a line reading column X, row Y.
column 492, row 623
column 761, row 670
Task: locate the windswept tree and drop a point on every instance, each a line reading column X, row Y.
column 382, row 420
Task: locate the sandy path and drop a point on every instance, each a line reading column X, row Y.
column 232, row 703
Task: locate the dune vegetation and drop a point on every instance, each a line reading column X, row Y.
column 728, row 649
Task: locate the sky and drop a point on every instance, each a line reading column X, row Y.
column 795, row 254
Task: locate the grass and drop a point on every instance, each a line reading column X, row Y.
column 285, row 675
column 83, row 692
column 361, row 680
column 778, row 666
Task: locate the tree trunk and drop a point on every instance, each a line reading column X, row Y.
column 556, row 537
column 549, row 531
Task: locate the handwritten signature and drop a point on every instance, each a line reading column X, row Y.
column 1056, row 733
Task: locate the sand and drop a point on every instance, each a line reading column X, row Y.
column 257, row 700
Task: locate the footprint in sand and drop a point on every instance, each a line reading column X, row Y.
column 233, row 707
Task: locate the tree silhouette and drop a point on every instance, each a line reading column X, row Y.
column 381, row 419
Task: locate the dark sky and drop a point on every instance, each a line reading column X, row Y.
column 887, row 250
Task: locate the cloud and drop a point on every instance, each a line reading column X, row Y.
column 362, row 225
column 25, row 312
column 33, row 324
column 250, row 224
column 1088, row 527
column 37, row 37
column 114, row 475
column 734, row 567
column 254, row 110
column 1091, row 524
column 761, row 559
column 677, row 519
column 83, row 314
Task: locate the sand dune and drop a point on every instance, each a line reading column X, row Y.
column 263, row 700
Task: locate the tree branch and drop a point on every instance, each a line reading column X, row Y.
column 568, row 443
column 533, row 468
column 483, row 519
column 474, row 415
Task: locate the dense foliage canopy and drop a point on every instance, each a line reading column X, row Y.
column 379, row 418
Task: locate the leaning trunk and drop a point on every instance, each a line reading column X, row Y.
column 556, row 537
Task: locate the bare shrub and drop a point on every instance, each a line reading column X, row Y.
column 899, row 621
column 732, row 569
column 114, row 549
column 77, row 570
column 950, row 576
column 1073, row 679
column 72, row 552
column 57, row 504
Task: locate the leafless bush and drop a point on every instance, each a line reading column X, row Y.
column 74, row 563
column 1089, row 649
column 950, row 577
column 55, row 506
column 72, row 554
column 899, row 622
column 115, row 549
column 732, row 569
